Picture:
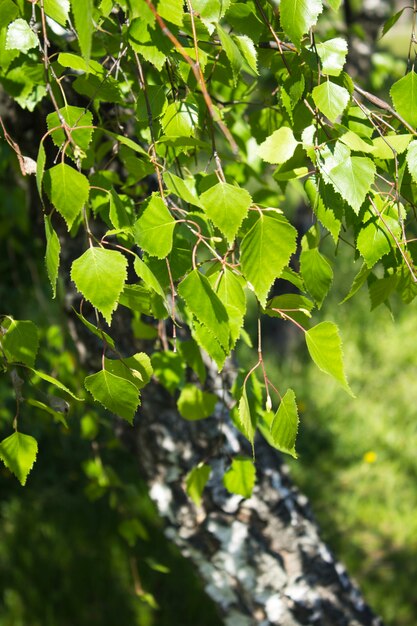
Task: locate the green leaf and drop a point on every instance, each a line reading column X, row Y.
column 355, row 142
column 190, row 352
column 329, row 156
column 96, row 331
column 246, row 417
column 290, row 301
column 209, row 343
column 317, row 274
column 137, row 298
column 266, row 250
column 142, row 366
column 330, row 99
column 83, row 17
column 76, row 62
column 58, row 10
column 332, row 55
column 148, row 277
column 155, row 96
column 230, row 292
column 392, row 21
column 227, row 206
column 278, row 147
column 412, row 160
column 18, row 453
column 352, row 179
column 195, row 482
column 74, row 117
column 284, row 426
column 8, row 11
column 55, row 383
column 126, row 141
column 404, row 97
column 60, row 404
column 118, row 395
column 183, row 188
column 40, row 168
column 325, row 348
column 248, row 50
column 21, row 37
column 194, row 404
column 118, row 213
column 53, row 249
column 323, row 207
column 206, row 306
column 240, row 477
column 389, row 146
column 232, row 52
column 381, row 289
column 68, row 191
column 169, row 369
column 149, row 42
column 375, row 238
column 172, row 11
column 100, row 276
column 211, row 11
column 154, row 229
column 298, row 16
column 137, row 369
column 21, row 342
column 180, row 119
column 358, row 281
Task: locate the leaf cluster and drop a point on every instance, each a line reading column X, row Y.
column 166, row 120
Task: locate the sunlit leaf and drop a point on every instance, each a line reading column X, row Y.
column 352, row 179
column 330, row 99
column 317, row 274
column 154, row 229
column 206, row 306
column 265, row 251
column 325, row 348
column 172, row 11
column 412, row 160
column 332, row 55
column 298, row 16
column 58, row 10
column 247, row 421
column 20, row 36
column 404, row 97
column 74, row 117
column 240, row 477
column 118, row 395
column 83, row 17
column 100, row 276
column 180, row 119
column 278, row 147
column 18, row 453
column 68, row 191
column 226, row 205
column 284, row 426
column 20, row 343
